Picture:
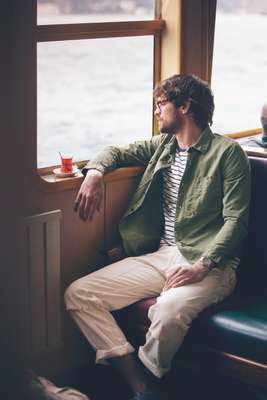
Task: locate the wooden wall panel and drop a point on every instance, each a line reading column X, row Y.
column 117, row 197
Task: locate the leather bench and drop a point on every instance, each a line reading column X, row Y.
column 231, row 337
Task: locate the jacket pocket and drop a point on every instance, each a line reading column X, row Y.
column 205, row 196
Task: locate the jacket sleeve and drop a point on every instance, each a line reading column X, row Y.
column 135, row 154
column 236, row 199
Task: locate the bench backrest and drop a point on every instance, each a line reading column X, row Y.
column 252, row 280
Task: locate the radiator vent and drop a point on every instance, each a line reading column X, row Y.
column 41, row 281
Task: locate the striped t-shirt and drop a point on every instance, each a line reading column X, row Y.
column 171, row 182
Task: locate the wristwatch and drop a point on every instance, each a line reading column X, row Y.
column 207, row 262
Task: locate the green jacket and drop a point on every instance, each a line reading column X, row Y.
column 213, row 202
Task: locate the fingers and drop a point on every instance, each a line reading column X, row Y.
column 177, row 273
column 95, row 206
column 181, row 276
column 81, row 208
column 92, row 210
column 87, row 206
column 89, row 198
column 77, row 201
column 177, row 283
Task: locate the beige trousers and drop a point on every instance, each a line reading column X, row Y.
column 91, row 299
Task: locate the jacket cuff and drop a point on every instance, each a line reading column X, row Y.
column 93, row 166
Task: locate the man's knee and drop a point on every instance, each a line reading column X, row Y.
column 71, row 296
column 166, row 319
column 80, row 295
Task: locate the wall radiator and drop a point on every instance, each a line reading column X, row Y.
column 40, row 282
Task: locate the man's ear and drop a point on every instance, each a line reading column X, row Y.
column 185, row 107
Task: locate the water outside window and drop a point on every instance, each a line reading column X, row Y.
column 83, row 11
column 91, row 94
column 239, row 65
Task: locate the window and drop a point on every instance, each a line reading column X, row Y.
column 95, row 80
column 83, row 11
column 239, row 65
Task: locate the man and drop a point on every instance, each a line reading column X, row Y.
column 182, row 232
column 263, row 140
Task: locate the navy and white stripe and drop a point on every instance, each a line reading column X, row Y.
column 172, row 177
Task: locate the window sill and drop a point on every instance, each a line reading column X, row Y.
column 48, row 182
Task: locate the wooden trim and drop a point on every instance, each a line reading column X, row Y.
column 208, row 26
column 227, row 364
column 171, row 39
column 47, row 33
column 156, row 77
column 158, row 9
column 242, row 134
column 156, row 74
column 255, row 151
column 157, row 61
column 197, row 36
column 50, row 183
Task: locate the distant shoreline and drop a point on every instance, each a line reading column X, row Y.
column 128, row 6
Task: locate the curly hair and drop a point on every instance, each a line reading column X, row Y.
column 182, row 88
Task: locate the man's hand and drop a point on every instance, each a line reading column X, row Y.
column 90, row 195
column 186, row 274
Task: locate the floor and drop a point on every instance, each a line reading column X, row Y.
column 102, row 383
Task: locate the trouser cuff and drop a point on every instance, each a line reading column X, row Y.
column 114, row 352
column 158, row 372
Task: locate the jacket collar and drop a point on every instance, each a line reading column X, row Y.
column 201, row 145
column 204, row 140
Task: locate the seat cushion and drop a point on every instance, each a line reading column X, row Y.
column 240, row 332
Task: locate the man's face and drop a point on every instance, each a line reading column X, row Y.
column 168, row 116
column 264, row 119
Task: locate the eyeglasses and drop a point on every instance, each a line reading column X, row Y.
column 160, row 103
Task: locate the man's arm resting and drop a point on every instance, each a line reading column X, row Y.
column 135, row 154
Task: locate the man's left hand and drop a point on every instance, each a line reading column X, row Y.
column 185, row 275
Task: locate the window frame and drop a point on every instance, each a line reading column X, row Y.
column 235, row 134
column 85, row 31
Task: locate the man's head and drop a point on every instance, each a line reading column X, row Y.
column 264, row 119
column 183, row 96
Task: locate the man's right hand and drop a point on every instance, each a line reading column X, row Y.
column 90, row 195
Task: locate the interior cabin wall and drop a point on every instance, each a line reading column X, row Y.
column 81, row 243
column 8, row 211
column 83, row 249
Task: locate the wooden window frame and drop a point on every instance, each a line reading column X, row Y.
column 66, row 32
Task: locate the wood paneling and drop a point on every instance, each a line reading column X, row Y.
column 48, row 33
column 41, row 276
column 197, row 36
column 117, row 196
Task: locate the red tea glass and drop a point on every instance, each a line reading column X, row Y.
column 66, row 164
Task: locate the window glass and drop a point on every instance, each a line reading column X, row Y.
column 239, row 65
column 83, row 11
column 91, row 94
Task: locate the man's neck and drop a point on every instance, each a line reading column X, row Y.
column 188, row 135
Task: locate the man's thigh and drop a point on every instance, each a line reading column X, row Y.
column 123, row 282
column 194, row 298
